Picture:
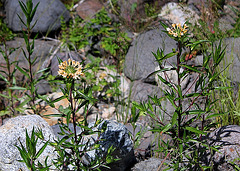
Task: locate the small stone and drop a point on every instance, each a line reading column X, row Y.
column 171, row 77
column 108, row 112
column 178, row 14
column 88, row 8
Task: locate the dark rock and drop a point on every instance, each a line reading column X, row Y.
column 48, row 15
column 228, row 138
column 43, row 87
column 146, row 146
column 139, row 61
column 115, row 135
column 126, row 8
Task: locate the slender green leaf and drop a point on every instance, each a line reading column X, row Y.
column 2, row 95
column 41, row 150
column 222, row 88
column 191, row 68
column 192, row 129
column 17, row 88
column 166, row 128
column 215, row 115
column 21, row 20
column 4, row 112
column 194, row 44
column 58, row 99
column 174, row 119
column 54, row 115
column 34, row 11
column 169, row 55
column 42, row 70
column 23, row 72
column 63, row 140
column 5, row 79
column 193, row 112
column 24, row 157
column 164, row 25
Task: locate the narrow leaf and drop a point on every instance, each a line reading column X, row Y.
column 195, row 130
column 41, row 150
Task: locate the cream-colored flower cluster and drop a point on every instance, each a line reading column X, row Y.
column 70, row 69
column 177, row 30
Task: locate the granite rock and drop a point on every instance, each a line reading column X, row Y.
column 13, row 131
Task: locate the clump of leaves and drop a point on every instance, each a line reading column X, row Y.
column 5, row 33
column 30, row 154
column 100, row 30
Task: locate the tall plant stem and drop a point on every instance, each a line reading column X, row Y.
column 30, row 68
column 179, row 110
column 10, row 79
column 73, row 107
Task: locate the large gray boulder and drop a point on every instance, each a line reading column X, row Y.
column 139, row 61
column 13, row 131
column 140, row 91
column 47, row 15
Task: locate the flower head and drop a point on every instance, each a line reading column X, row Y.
column 177, row 30
column 70, row 69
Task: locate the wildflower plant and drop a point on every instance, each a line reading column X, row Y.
column 185, row 151
column 73, row 147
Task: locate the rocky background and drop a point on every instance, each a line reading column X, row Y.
column 136, row 85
